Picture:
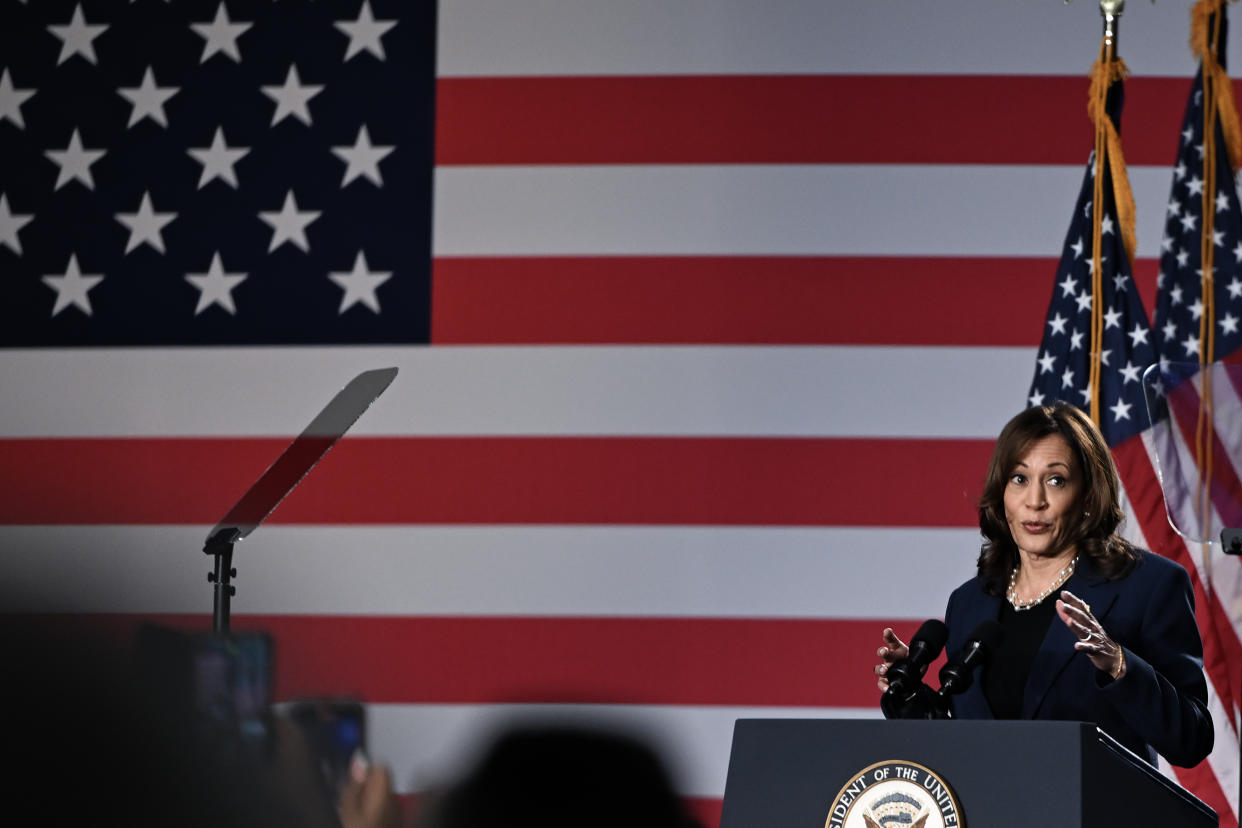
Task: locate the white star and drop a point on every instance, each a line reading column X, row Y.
column 1180, row 170
column 362, row 158
column 1175, row 295
column 1086, row 394
column 1234, row 288
column 145, row 225
column 1119, row 282
column 1138, row 335
column 292, row 97
column 75, row 162
column 1106, row 225
column 11, row 100
column 289, row 225
column 1218, row 238
column 1229, row 324
column 1086, row 208
column 1057, row 323
column 1222, row 202
column 1046, row 363
column 1077, row 248
column 1188, row 222
column 1076, row 340
column 148, row 99
column 221, row 35
column 1183, row 256
column 1199, row 150
column 1187, row 134
column 1069, row 286
column 365, row 32
column 1237, row 253
column 1166, row 243
column 10, row 223
column 1196, row 310
column 1121, row 411
column 218, row 160
column 1112, row 319
column 359, row 285
column 76, row 37
column 1104, row 355
column 1195, row 185
column 71, row 287
column 1161, row 278
column 1169, row 330
column 1036, row 399
column 1084, row 301
column 1130, row 373
column 1191, row 344
column 215, row 286
column 1067, row 379
column 1174, row 209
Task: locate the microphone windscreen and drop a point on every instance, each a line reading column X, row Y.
column 932, row 635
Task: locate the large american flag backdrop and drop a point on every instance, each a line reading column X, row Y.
column 706, row 316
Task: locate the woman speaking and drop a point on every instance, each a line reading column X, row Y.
column 1095, row 629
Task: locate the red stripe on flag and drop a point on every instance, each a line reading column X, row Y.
column 785, row 119
column 562, row 660
column 1220, row 641
column 1203, row 782
column 554, row 480
column 745, row 300
column 1221, row 647
column 706, row 811
column 1186, row 405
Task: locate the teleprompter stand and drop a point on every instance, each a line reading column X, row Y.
column 281, row 478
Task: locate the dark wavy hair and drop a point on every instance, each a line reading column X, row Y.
column 1093, row 531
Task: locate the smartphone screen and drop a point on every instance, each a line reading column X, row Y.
column 232, row 681
column 218, row 687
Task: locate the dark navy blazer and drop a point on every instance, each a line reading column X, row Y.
column 1158, row 706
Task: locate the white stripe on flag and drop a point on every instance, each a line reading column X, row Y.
column 755, row 391
column 778, row 209
column 759, row 572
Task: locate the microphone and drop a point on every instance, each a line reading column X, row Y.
column 958, row 673
column 905, row 676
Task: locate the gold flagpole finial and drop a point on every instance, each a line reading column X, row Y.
column 1111, row 11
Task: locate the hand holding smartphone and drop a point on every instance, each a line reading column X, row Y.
column 335, row 730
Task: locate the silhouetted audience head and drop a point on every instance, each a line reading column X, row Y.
column 556, row 776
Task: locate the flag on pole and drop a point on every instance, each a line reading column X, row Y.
column 1198, row 319
column 1096, row 345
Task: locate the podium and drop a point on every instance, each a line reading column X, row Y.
column 799, row 772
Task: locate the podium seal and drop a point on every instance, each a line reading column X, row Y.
column 895, row 794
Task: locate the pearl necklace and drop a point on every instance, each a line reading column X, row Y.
column 1061, row 578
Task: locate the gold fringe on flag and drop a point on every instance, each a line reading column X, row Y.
column 1218, row 107
column 1106, row 71
column 1204, row 39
